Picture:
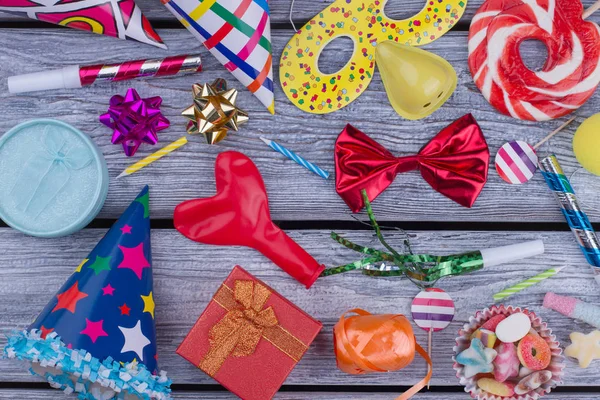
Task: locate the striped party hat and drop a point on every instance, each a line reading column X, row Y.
column 238, row 34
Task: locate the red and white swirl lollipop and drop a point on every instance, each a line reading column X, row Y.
column 571, row 72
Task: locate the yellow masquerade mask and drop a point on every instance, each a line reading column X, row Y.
column 366, row 24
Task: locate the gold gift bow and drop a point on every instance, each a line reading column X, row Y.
column 238, row 333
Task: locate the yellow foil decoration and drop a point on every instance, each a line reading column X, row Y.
column 366, row 24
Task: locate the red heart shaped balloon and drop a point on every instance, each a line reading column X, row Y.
column 238, row 215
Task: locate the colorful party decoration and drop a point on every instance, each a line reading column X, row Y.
column 366, row 24
column 75, row 76
column 573, row 308
column 425, row 269
column 416, row 81
column 157, row 155
column 432, row 310
column 238, row 215
column 97, row 336
column 584, row 348
column 576, row 218
column 293, row 156
column 134, row 120
column 238, row 34
column 570, row 74
column 509, row 291
column 586, row 143
column 249, row 337
column 122, row 19
column 367, row 343
column 455, row 163
column 213, row 112
column 45, row 165
column 516, row 161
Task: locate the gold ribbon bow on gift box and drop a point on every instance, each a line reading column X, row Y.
column 239, row 332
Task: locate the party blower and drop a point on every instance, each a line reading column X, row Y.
column 75, row 76
column 425, row 269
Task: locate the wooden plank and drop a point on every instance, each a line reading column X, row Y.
column 43, row 394
column 305, row 10
column 295, row 194
column 186, row 275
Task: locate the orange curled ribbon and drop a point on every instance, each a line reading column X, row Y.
column 366, row 343
column 247, row 322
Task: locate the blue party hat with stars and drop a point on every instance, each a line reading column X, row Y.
column 97, row 335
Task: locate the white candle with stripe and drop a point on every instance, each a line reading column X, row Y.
column 293, row 156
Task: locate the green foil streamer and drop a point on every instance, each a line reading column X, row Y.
column 423, row 268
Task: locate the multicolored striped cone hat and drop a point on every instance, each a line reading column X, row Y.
column 97, row 335
column 238, row 34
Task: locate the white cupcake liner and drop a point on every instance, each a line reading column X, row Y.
column 463, row 341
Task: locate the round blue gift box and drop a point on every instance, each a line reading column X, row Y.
column 53, row 178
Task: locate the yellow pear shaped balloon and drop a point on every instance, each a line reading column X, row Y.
column 586, row 144
column 417, row 82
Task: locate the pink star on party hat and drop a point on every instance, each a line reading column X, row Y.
column 96, row 328
column 93, row 330
column 134, row 259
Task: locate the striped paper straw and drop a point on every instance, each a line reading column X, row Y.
column 291, row 155
column 153, row 157
column 576, row 218
column 526, row 283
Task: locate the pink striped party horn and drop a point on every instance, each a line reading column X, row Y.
column 75, row 76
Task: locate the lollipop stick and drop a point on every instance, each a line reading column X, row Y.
column 593, row 8
column 560, row 128
column 429, row 348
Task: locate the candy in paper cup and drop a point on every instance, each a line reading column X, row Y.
column 463, row 341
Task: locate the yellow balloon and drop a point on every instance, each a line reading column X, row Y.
column 417, row 82
column 586, row 144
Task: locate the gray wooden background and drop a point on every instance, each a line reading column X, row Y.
column 187, row 274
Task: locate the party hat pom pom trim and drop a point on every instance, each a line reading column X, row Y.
column 78, row 371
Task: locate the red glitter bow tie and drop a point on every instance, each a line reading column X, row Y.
column 238, row 215
column 455, row 163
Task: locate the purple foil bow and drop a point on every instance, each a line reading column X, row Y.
column 134, row 120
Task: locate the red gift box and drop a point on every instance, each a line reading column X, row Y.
column 249, row 337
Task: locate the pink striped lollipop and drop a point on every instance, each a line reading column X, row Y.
column 516, row 161
column 432, row 310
